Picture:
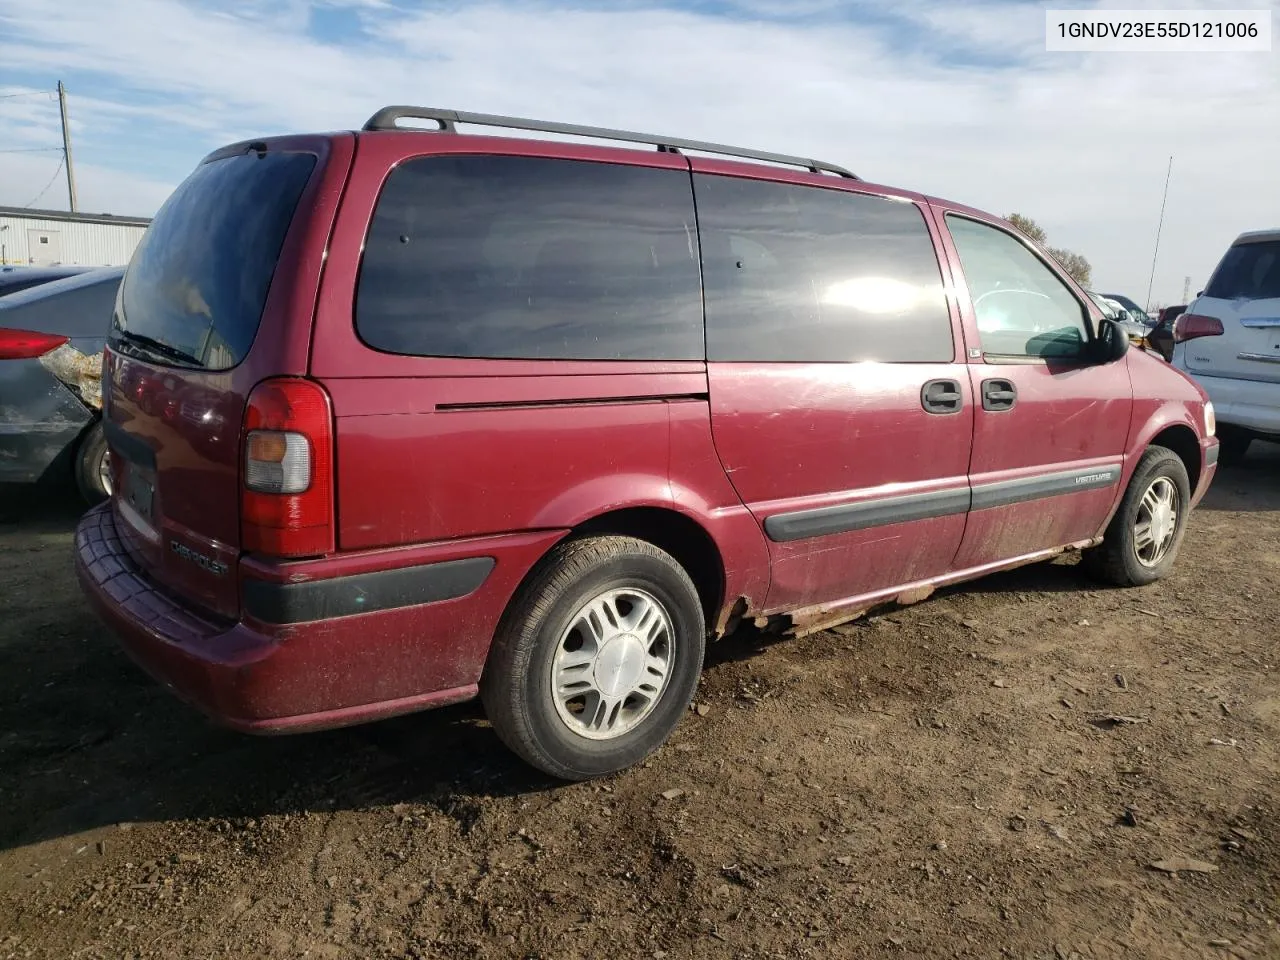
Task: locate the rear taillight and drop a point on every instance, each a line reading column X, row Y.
column 287, row 457
column 1189, row 326
column 25, row 344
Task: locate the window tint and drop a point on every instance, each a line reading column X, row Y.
column 531, row 258
column 807, row 274
column 1023, row 309
column 8, row 286
column 1249, row 271
column 198, row 281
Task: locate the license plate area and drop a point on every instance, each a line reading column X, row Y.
column 139, row 492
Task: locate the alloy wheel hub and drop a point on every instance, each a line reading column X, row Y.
column 620, row 664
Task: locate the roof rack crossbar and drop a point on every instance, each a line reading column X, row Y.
column 388, row 119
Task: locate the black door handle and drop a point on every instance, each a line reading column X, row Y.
column 941, row 396
column 998, row 395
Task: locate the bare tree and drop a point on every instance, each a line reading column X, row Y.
column 1075, row 264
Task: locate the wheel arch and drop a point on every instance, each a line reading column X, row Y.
column 1182, row 440
column 676, row 533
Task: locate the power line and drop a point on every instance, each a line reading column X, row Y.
column 32, row 203
column 29, row 93
column 31, row 149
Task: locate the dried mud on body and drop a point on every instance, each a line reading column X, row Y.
column 1028, row 766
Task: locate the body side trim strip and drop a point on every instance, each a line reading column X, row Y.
column 1005, row 492
column 286, row 603
column 824, row 521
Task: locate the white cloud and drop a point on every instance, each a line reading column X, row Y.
column 1078, row 142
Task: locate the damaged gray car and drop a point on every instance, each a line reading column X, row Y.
column 51, row 341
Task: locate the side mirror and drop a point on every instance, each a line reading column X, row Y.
column 1111, row 344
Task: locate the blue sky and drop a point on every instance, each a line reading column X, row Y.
column 952, row 98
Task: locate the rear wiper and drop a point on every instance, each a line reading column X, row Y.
column 158, row 347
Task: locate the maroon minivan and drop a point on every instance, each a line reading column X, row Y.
column 402, row 416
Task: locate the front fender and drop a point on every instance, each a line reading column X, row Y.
column 1152, row 417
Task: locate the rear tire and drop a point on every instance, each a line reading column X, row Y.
column 92, row 467
column 1233, row 444
column 1142, row 540
column 596, row 659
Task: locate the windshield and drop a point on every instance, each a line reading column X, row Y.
column 1107, row 311
column 1135, row 311
column 195, row 289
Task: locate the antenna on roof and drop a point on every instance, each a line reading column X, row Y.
column 1159, row 226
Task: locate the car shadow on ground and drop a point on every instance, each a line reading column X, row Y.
column 1252, row 485
column 88, row 741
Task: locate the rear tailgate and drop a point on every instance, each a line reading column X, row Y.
column 198, row 322
column 1244, row 294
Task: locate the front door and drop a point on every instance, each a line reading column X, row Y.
column 840, row 407
column 1050, row 425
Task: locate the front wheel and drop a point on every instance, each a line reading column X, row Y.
column 597, row 659
column 1142, row 540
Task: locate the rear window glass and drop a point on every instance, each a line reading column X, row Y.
column 532, row 258
column 1249, row 271
column 78, row 306
column 808, row 274
column 196, row 286
column 15, row 279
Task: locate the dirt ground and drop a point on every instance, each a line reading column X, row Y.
column 940, row 781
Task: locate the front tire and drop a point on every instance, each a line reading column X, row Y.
column 597, row 658
column 1143, row 538
column 93, row 466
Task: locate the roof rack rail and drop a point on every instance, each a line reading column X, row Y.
column 387, row 117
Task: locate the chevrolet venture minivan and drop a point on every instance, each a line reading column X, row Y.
column 402, row 417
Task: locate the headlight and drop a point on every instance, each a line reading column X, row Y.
column 1210, row 419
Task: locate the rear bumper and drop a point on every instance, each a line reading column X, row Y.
column 299, row 674
column 1251, row 404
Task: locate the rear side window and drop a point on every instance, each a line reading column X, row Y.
column 806, row 274
column 1249, row 271
column 1022, row 308
column 532, row 258
column 196, row 286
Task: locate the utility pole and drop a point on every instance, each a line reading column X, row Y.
column 1186, row 290
column 66, row 146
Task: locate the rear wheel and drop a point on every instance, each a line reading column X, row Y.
column 1233, row 444
column 597, row 659
column 1142, row 540
column 93, row 466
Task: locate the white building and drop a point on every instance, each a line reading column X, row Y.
column 46, row 237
